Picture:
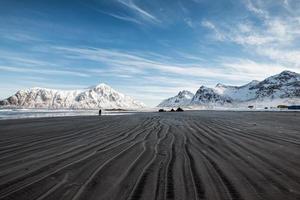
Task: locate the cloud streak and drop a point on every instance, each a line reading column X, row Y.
column 124, row 18
column 117, row 62
column 42, row 71
column 138, row 10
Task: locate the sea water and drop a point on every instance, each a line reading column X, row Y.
column 32, row 113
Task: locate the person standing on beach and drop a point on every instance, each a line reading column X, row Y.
column 100, row 112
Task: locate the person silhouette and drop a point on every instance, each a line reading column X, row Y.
column 100, row 112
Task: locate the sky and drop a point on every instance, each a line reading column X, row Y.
column 147, row 49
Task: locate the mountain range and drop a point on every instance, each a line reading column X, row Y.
column 283, row 88
column 95, row 97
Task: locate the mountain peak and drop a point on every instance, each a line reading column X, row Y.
column 287, row 72
column 202, row 87
column 282, row 78
column 252, row 83
column 220, row 85
column 102, row 85
column 185, row 93
column 181, row 99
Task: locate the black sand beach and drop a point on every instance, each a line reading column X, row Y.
column 190, row 155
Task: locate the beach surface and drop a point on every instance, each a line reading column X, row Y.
column 194, row 155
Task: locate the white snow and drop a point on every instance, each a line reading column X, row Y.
column 283, row 88
column 183, row 98
column 241, row 93
column 100, row 96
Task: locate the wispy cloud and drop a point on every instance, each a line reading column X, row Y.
column 120, row 63
column 23, row 60
column 42, row 71
column 138, row 64
column 254, row 70
column 274, row 37
column 255, row 7
column 19, row 37
column 26, row 63
column 138, row 10
column 124, row 18
column 218, row 34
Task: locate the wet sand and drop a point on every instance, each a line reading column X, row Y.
column 189, row 155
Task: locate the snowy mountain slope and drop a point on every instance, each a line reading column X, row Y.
column 205, row 95
column 283, row 85
column 181, row 99
column 281, row 88
column 100, row 96
column 237, row 93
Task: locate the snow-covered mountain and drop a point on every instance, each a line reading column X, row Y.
column 283, row 85
column 237, row 93
column 281, row 88
column 183, row 98
column 208, row 96
column 100, row 96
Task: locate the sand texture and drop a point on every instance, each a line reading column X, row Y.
column 190, row 155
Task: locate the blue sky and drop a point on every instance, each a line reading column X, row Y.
column 146, row 49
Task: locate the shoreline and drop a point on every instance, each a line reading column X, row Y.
column 6, row 114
